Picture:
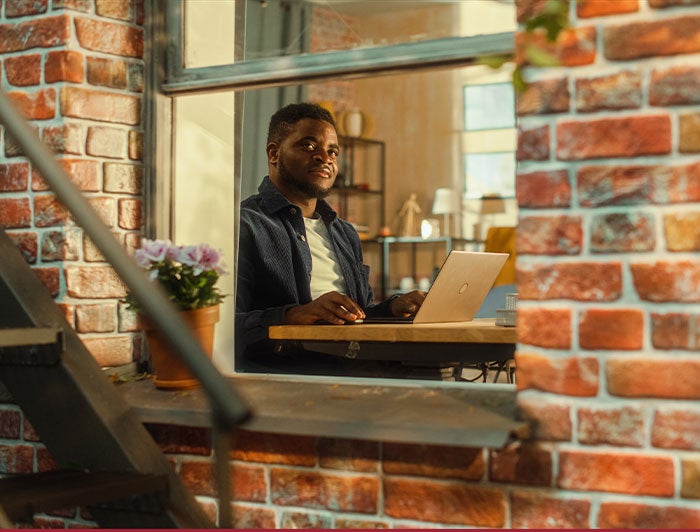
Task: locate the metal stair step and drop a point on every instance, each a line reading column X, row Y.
column 25, row 495
column 33, row 346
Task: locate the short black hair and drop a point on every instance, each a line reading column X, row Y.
column 282, row 121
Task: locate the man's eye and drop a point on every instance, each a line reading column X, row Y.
column 308, row 146
column 334, row 154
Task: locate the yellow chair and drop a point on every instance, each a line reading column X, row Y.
column 502, row 240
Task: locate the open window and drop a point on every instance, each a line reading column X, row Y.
column 403, row 65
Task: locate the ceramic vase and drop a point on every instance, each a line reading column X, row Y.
column 353, row 123
column 170, row 372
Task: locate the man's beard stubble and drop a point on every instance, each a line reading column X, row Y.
column 311, row 190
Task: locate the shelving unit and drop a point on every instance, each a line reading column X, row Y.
column 358, row 193
column 386, row 244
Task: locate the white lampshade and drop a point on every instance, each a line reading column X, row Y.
column 446, row 201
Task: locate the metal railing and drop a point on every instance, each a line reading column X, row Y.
column 228, row 409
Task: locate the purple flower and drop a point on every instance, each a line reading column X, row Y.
column 151, row 251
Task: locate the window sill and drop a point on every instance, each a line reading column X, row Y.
column 442, row 413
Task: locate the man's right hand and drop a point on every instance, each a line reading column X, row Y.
column 332, row 307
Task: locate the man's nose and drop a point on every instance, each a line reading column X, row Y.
column 323, row 155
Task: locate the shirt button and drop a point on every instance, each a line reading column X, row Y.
column 292, row 210
column 303, row 238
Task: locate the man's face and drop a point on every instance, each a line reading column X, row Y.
column 305, row 164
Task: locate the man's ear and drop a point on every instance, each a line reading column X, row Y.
column 273, row 153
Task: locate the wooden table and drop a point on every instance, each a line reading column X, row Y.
column 466, row 343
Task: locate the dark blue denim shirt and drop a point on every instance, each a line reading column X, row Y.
column 274, row 266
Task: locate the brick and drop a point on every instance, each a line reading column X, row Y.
column 634, row 136
column 543, row 189
column 544, row 97
column 106, row 142
column 291, row 520
column 28, row 431
column 21, row 8
column 68, row 312
column 127, row 319
column 525, row 464
column 109, row 351
column 36, row 33
column 349, row 455
column 576, row 376
column 66, row 138
column 632, row 376
column 551, row 418
column 274, row 448
column 540, row 511
column 637, row 515
column 175, row 439
column 123, row 178
column 28, row 244
column 109, row 37
column 689, row 137
column 667, row 281
column 93, row 282
column 527, row 9
column 621, row 329
column 622, row 90
column 677, row 85
column 314, row 489
column 345, row 523
column 682, row 231
column 98, row 318
column 596, row 8
column 61, row 244
column 544, row 327
column 248, row 483
column 135, row 145
column 550, row 235
column 683, row 185
column 48, row 211
column 130, row 213
column 39, row 105
column 444, row 502
column 533, row 144
column 673, row 428
column 44, row 461
column 23, row 70
column 617, row 185
column 14, row 177
column 622, row 426
column 661, row 4
column 50, row 278
column 249, row 517
column 654, row 38
column 16, row 459
column 624, row 232
column 102, row 106
column 107, row 72
column 632, row 474
column 690, row 482
column 675, row 330
column 15, row 213
column 434, row 461
column 10, row 424
column 583, row 281
column 64, row 65
column 118, row 10
column 83, row 173
column 105, row 207
column 573, row 47
column 135, row 79
column 77, row 5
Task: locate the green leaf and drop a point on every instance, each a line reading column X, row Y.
column 538, row 57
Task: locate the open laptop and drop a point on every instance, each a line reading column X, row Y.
column 458, row 291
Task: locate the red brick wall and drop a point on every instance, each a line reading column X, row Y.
column 608, row 183
column 75, row 68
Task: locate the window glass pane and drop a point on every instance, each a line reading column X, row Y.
column 209, row 32
column 203, row 192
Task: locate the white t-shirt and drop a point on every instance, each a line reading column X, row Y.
column 326, row 275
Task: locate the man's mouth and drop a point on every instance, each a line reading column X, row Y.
column 323, row 170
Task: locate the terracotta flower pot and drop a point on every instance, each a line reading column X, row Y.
column 170, row 372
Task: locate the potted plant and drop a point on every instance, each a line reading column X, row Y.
column 188, row 274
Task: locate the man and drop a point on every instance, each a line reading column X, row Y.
column 298, row 263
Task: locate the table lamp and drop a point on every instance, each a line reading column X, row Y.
column 491, row 205
column 446, row 202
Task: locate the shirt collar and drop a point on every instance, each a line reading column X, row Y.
column 274, row 200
